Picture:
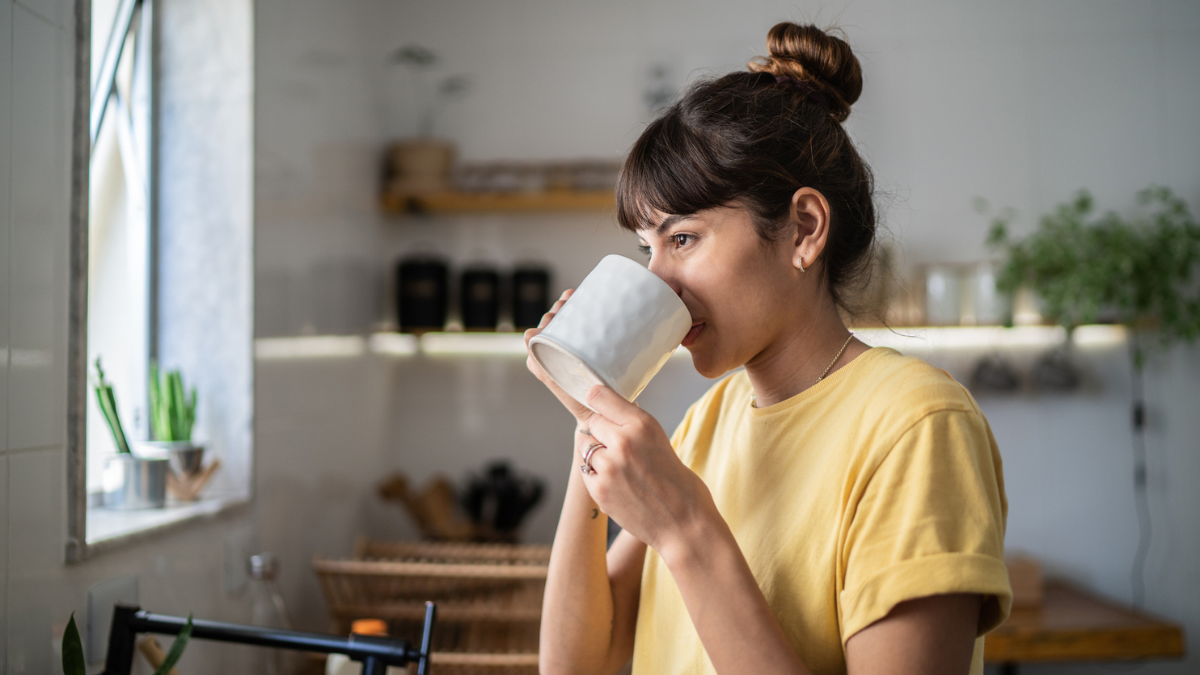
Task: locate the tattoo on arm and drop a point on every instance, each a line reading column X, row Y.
column 595, row 513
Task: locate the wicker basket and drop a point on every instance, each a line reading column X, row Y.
column 489, row 599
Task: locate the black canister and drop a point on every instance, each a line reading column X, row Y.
column 530, row 296
column 422, row 294
column 479, row 298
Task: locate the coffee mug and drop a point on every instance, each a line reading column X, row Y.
column 617, row 329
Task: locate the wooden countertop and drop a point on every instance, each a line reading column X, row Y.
column 1074, row 625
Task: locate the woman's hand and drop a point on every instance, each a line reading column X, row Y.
column 580, row 411
column 639, row 480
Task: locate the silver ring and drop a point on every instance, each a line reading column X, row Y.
column 586, row 467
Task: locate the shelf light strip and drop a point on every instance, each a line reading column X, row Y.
column 309, row 347
column 905, row 339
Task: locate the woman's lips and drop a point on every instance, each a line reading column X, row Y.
column 693, row 334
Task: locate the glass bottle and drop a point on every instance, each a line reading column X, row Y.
column 267, row 610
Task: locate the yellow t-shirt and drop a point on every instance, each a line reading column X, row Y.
column 880, row 484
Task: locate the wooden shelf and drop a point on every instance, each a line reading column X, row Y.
column 493, row 202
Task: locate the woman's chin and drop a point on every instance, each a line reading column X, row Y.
column 706, row 365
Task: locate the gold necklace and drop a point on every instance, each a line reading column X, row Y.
column 827, row 368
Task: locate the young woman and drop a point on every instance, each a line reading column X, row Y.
column 831, row 507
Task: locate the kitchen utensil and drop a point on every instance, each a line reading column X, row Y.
column 499, row 500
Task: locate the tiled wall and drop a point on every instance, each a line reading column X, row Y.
column 36, row 65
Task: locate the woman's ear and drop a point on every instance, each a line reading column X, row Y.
column 809, row 216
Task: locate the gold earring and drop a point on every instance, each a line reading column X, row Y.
column 800, row 262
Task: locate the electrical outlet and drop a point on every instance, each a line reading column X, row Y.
column 101, row 599
column 238, row 547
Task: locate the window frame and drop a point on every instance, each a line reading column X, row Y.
column 93, row 100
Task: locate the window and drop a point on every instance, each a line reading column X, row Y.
column 119, row 227
column 162, row 248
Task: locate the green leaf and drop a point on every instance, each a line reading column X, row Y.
column 72, row 650
column 107, row 400
column 177, row 403
column 177, row 648
column 159, row 423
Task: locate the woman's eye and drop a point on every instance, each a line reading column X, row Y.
column 681, row 239
column 644, row 248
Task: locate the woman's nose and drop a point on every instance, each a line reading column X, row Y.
column 664, row 272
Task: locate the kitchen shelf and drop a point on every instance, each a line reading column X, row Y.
column 917, row 340
column 498, row 202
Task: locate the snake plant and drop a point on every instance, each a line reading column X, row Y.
column 172, row 412
column 108, row 405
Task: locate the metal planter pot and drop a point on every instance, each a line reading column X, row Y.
column 185, row 457
column 132, row 482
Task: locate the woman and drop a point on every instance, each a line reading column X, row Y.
column 830, row 508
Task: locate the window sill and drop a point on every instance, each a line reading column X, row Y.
column 108, row 529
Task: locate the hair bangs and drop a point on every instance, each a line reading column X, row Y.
column 666, row 172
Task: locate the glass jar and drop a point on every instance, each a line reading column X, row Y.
column 267, row 610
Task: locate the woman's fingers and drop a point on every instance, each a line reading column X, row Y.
column 612, row 405
column 548, row 316
column 603, row 430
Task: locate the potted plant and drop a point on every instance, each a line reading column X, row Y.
column 1140, row 272
column 422, row 164
column 1143, row 273
column 130, row 481
column 172, row 416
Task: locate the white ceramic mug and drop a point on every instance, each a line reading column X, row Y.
column 617, row 329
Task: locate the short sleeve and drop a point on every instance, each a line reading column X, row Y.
column 930, row 520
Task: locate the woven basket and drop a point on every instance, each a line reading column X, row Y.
column 489, row 599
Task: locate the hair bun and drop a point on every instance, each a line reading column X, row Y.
column 809, row 55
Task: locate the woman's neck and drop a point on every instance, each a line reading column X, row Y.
column 800, row 355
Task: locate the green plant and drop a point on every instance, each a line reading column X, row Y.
column 420, row 60
column 73, row 662
column 177, row 648
column 108, row 405
column 1143, row 272
column 172, row 413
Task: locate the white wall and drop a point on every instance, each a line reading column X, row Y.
column 1018, row 102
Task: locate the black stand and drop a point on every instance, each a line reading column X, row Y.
column 376, row 653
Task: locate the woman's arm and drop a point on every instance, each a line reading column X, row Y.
column 589, row 611
column 934, row 635
column 590, row 608
column 731, row 616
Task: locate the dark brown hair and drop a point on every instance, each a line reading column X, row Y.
column 755, row 137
